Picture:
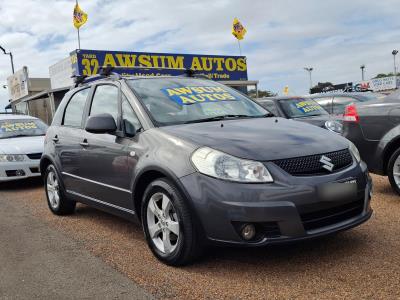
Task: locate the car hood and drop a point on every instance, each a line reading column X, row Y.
column 260, row 139
column 315, row 120
column 22, row 145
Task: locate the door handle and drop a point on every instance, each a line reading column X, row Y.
column 55, row 139
column 84, row 143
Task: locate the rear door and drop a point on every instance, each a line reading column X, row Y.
column 67, row 138
column 108, row 159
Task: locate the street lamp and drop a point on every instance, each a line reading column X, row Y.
column 362, row 67
column 11, row 57
column 394, row 52
column 309, row 70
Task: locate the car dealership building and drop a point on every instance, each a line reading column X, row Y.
column 40, row 97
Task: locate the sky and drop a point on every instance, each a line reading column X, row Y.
column 283, row 37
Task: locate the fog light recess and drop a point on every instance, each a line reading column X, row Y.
column 248, row 232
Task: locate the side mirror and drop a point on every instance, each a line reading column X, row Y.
column 129, row 128
column 101, row 123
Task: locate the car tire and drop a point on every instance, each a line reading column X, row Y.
column 168, row 225
column 394, row 168
column 55, row 194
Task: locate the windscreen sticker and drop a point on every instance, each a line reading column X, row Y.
column 307, row 106
column 17, row 126
column 198, row 94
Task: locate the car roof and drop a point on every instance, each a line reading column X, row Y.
column 280, row 98
column 354, row 94
column 15, row 117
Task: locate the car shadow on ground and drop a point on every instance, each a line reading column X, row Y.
column 22, row 184
column 343, row 244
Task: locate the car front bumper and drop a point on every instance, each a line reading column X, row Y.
column 289, row 209
column 19, row 170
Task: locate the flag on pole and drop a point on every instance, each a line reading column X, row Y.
column 80, row 17
column 238, row 29
column 286, row 90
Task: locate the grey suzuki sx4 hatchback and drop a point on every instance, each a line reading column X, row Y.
column 197, row 163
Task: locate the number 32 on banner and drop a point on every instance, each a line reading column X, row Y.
column 91, row 66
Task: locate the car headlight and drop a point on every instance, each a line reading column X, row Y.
column 224, row 166
column 11, row 157
column 353, row 149
column 334, row 126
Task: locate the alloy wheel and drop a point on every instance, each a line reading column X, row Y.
column 162, row 223
column 53, row 192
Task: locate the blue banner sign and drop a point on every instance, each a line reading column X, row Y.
column 215, row 67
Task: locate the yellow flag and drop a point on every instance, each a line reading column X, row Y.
column 238, row 29
column 80, row 17
column 286, row 90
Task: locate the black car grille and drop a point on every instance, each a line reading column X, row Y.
column 35, row 155
column 311, row 165
column 333, row 215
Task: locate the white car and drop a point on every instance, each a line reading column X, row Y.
column 21, row 146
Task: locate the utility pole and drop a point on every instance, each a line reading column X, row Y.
column 309, row 70
column 11, row 58
column 362, row 67
column 394, row 52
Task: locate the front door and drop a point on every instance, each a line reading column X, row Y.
column 107, row 160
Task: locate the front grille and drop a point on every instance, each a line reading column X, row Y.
column 311, row 165
column 333, row 215
column 34, row 155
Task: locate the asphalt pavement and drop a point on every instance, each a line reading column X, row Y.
column 38, row 262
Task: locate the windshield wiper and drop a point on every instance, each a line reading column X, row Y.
column 23, row 135
column 223, row 117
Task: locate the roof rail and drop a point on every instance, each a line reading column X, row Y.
column 107, row 72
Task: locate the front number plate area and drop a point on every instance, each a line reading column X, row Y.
column 338, row 190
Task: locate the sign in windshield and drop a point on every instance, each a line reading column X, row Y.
column 198, row 94
column 297, row 108
column 14, row 128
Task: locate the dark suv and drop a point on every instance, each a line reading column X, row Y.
column 199, row 163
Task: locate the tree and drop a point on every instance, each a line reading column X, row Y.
column 261, row 93
column 383, row 75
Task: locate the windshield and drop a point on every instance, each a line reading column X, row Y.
column 21, row 127
column 299, row 108
column 188, row 100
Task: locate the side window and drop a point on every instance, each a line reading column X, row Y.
column 326, row 103
column 270, row 106
column 339, row 104
column 130, row 121
column 75, row 107
column 105, row 100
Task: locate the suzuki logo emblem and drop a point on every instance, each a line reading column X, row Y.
column 327, row 163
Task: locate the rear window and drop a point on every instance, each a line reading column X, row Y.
column 299, row 107
column 21, row 127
